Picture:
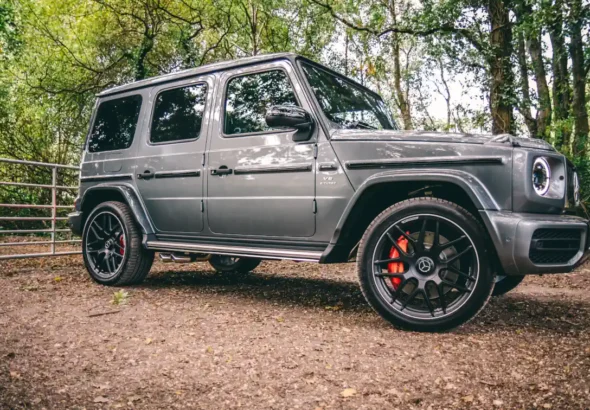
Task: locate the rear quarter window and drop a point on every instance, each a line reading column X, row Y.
column 178, row 114
column 115, row 123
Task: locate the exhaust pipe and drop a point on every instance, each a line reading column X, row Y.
column 180, row 258
column 166, row 257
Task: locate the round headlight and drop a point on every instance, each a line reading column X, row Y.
column 541, row 176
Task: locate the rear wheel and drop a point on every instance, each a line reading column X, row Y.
column 111, row 246
column 225, row 263
column 505, row 284
column 423, row 265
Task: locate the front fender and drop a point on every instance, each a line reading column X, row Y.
column 473, row 187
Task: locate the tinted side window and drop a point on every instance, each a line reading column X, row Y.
column 115, row 124
column 250, row 96
column 178, row 114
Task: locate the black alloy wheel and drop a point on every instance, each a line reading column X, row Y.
column 424, row 265
column 111, row 246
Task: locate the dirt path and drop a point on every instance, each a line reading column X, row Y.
column 288, row 336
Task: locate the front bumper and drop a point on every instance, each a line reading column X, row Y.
column 75, row 223
column 537, row 243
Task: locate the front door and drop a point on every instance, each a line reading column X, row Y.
column 170, row 159
column 259, row 182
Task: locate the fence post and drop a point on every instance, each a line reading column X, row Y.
column 53, row 207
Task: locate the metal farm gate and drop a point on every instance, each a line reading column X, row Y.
column 18, row 230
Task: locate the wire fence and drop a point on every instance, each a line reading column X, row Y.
column 34, row 200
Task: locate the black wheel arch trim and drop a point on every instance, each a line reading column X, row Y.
column 472, row 186
column 133, row 201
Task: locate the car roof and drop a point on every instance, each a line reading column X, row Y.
column 207, row 68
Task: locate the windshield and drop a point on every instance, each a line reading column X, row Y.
column 348, row 105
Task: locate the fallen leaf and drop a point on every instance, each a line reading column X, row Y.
column 498, row 403
column 348, row 392
column 148, row 341
column 467, row 399
column 101, row 399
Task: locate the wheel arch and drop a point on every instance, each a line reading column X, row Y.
column 387, row 188
column 98, row 194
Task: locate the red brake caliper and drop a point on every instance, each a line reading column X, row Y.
column 397, row 267
column 122, row 243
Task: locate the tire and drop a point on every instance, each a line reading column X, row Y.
column 505, row 284
column 110, row 230
column 445, row 279
column 227, row 264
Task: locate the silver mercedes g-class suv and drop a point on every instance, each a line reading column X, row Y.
column 277, row 157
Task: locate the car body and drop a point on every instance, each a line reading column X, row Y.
column 308, row 192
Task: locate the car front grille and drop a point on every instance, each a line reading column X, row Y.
column 554, row 246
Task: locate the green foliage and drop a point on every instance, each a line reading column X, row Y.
column 55, row 55
column 120, row 297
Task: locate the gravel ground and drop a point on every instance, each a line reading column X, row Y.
column 287, row 336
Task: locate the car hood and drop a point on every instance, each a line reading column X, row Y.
column 439, row 137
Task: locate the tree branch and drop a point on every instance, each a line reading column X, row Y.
column 445, row 28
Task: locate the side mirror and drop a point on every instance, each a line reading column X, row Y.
column 287, row 116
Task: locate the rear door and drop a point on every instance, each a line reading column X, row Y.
column 171, row 156
column 259, row 182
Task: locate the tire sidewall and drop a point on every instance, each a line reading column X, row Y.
column 478, row 297
column 107, row 207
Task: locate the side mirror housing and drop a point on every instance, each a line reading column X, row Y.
column 287, row 116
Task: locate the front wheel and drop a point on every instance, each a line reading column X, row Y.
column 423, row 265
column 225, row 263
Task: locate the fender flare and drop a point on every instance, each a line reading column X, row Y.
column 473, row 187
column 131, row 198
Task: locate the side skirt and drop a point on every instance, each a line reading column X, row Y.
column 251, row 252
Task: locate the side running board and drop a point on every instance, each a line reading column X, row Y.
column 263, row 253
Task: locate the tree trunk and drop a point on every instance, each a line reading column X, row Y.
column 502, row 80
column 580, row 137
column 446, row 94
column 543, row 94
column 561, row 87
column 146, row 46
column 402, row 100
column 525, row 105
column 532, row 36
